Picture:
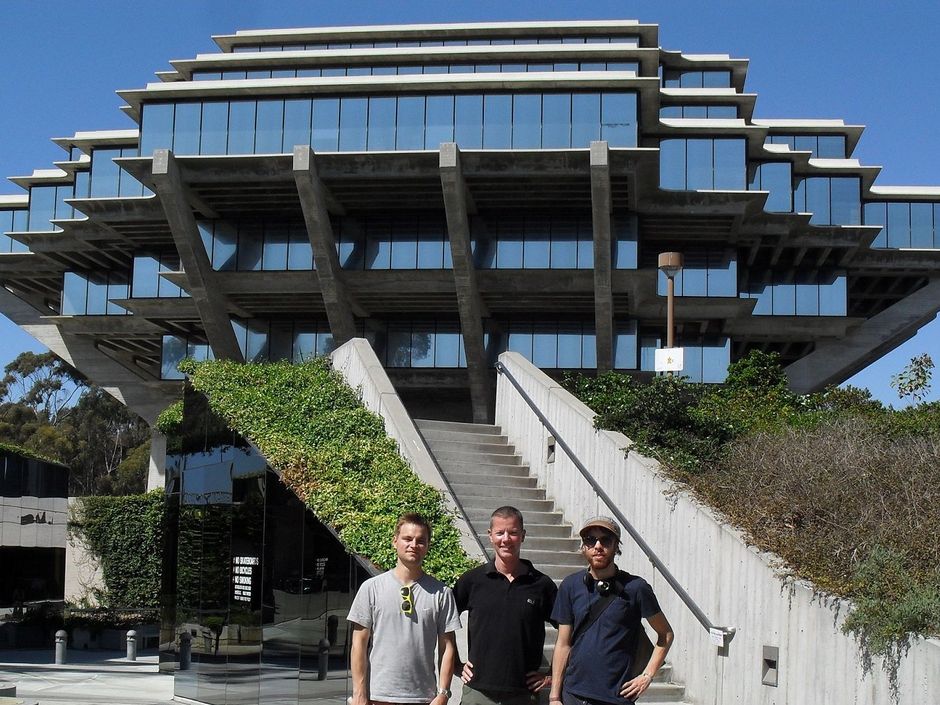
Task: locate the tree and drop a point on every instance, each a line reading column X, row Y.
column 914, row 380
column 43, row 382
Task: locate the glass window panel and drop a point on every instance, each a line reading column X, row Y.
column 447, row 346
column 186, row 128
column 846, row 201
column 585, row 119
column 166, row 288
column 699, row 164
column 250, row 242
column 618, row 119
column 569, row 345
column 333, row 71
column 326, row 124
column 282, row 341
column 214, row 128
column 146, row 270
column 805, row 143
column 899, row 225
column 722, row 111
column 875, row 214
column 690, row 79
column 509, row 245
column 404, row 244
column 716, row 79
column 97, row 301
column 526, row 121
column 497, row 121
column 157, row 128
column 585, row 243
column 694, row 275
column 74, row 294
column 832, row 294
column 270, row 132
column 730, row 166
column 224, row 247
column 556, row 120
column 381, row 134
column 410, row 122
column 775, row 177
column 520, row 339
column 561, row 67
column 817, row 200
column 440, row 120
column 82, row 184
column 784, row 299
column 305, row 342
column 297, row 115
column 936, row 225
column 422, row 345
column 431, row 245
column 378, row 246
column 625, row 347
column 807, row 297
column 625, row 242
column 274, row 252
column 723, row 275
column 257, row 347
column 299, row 251
column 831, row 146
column 564, row 244
column 326, row 343
column 468, row 115
column 384, row 70
column 672, row 111
column 398, row 350
column 41, row 207
column 921, row 225
column 588, row 348
column 117, row 289
column 241, row 127
column 672, row 164
column 174, row 352
column 352, row 124
column 715, row 361
column 545, row 346
column 105, row 173
column 692, row 362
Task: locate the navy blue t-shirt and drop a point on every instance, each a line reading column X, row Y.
column 600, row 661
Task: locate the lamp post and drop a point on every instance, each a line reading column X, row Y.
column 670, row 264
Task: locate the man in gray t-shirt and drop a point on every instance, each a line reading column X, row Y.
column 406, row 613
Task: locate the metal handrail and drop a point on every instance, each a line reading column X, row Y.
column 721, row 636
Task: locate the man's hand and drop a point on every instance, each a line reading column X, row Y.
column 536, row 680
column 439, row 700
column 466, row 675
column 358, row 699
column 635, row 687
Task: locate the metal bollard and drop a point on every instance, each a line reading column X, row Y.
column 323, row 663
column 186, row 650
column 131, row 645
column 61, row 643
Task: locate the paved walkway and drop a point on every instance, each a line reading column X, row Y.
column 107, row 678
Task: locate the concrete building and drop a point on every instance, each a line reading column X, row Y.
column 463, row 190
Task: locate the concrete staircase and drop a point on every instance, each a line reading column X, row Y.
column 485, row 473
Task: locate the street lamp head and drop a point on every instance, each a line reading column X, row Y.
column 670, row 263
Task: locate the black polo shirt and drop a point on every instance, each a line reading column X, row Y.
column 506, row 630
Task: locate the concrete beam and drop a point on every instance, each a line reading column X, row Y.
column 211, row 304
column 601, row 207
column 835, row 361
column 313, row 201
column 470, row 304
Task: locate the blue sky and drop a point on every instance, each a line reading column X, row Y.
column 871, row 63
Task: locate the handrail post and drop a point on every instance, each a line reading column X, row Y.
column 720, row 636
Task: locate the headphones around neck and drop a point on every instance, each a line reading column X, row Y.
column 603, row 587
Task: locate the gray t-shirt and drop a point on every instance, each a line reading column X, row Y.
column 401, row 662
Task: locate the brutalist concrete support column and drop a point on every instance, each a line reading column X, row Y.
column 339, row 305
column 156, row 475
column 210, row 302
column 470, row 304
column 601, row 207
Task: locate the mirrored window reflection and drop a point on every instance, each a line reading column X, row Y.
column 622, row 39
column 699, row 111
column 704, row 359
column 146, row 282
column 905, row 224
column 548, row 344
column 176, row 348
column 92, row 294
column 12, row 221
column 821, row 146
column 808, row 294
column 777, row 179
column 709, row 78
column 406, row 122
column 268, row 341
column 705, row 272
column 46, row 204
column 702, row 164
column 419, row 343
column 253, row 245
column 834, row 200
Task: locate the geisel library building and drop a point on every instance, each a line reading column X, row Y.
column 450, row 192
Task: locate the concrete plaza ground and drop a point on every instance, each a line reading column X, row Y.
column 107, row 678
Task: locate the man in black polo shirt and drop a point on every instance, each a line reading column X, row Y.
column 509, row 602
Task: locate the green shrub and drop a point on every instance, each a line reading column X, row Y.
column 332, row 452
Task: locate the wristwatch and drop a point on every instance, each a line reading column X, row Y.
column 444, row 691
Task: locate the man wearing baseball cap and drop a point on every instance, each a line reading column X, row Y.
column 598, row 611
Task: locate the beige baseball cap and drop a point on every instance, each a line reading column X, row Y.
column 602, row 522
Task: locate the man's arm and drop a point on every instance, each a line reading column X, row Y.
column 447, row 648
column 560, row 660
column 635, row 687
column 359, row 659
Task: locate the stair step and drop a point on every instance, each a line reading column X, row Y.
column 444, row 456
column 434, row 435
column 481, row 516
column 510, row 483
column 471, row 446
column 536, row 542
column 495, row 490
column 423, row 424
column 461, row 466
column 489, row 502
column 553, row 557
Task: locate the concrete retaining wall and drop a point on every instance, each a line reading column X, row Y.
column 734, row 583
column 357, row 362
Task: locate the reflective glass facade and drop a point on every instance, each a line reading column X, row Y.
column 47, row 203
column 822, row 146
column 263, row 341
column 108, row 180
column 834, row 200
column 427, row 343
column 13, row 221
column 175, row 349
column 777, row 178
column 913, row 225
column 443, row 41
column 699, row 111
column 252, row 576
column 704, row 273
column 702, row 163
column 415, row 69
column 709, row 78
column 405, row 122
column 146, row 282
column 808, row 294
column 92, row 294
